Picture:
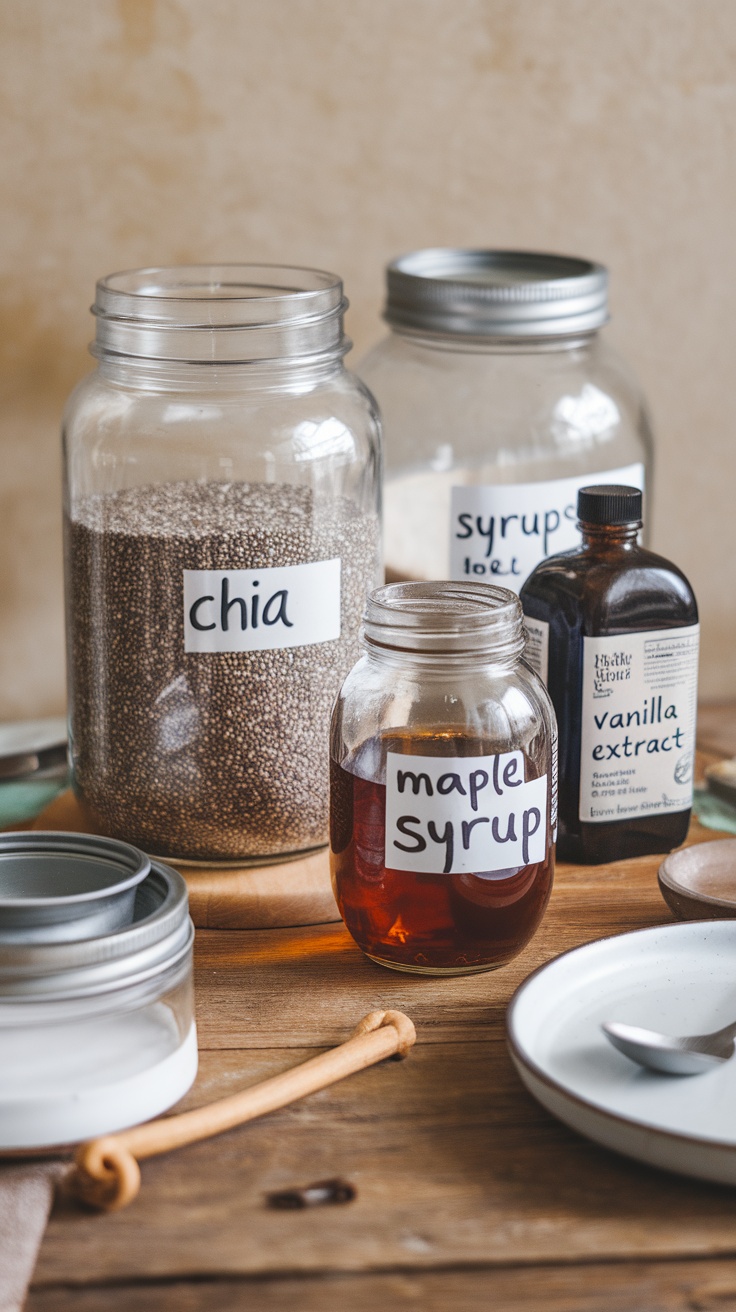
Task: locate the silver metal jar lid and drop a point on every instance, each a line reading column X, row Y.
column 159, row 936
column 496, row 294
column 220, row 314
column 61, row 887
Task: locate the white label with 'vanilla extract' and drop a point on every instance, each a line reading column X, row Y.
column 261, row 609
column 458, row 815
column 638, row 724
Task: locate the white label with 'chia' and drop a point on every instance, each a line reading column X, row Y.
column 501, row 533
column 638, row 726
column 469, row 814
column 261, row 609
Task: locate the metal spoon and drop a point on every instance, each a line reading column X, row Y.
column 691, row 1055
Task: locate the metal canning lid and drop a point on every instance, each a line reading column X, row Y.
column 496, row 294
column 220, row 314
column 62, row 886
column 159, row 936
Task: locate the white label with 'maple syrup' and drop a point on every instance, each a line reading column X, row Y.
column 458, row 815
column 261, row 609
column 638, row 726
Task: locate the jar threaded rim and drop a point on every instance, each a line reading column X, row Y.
column 446, row 618
column 220, row 314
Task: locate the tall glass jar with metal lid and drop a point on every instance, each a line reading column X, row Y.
column 222, row 484
column 500, row 398
column 443, row 793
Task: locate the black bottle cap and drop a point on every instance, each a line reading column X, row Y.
column 609, row 503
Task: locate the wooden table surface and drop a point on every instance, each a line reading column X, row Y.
column 468, row 1194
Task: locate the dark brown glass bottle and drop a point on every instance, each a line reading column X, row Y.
column 613, row 631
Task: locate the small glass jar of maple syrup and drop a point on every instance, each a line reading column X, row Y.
column 443, row 789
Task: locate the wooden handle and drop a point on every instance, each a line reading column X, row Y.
column 107, row 1175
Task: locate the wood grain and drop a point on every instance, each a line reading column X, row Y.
column 107, row 1171
column 298, row 987
column 703, row 1286
column 453, row 1163
column 297, row 892
column 460, row 1175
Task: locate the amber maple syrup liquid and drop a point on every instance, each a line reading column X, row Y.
column 427, row 923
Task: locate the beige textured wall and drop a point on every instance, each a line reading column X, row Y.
column 339, row 133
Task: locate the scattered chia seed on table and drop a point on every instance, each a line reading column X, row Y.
column 212, row 756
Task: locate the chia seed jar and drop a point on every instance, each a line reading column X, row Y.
column 443, row 793
column 500, row 399
column 222, row 485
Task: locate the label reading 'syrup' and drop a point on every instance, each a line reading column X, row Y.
column 638, row 724
column 500, row 533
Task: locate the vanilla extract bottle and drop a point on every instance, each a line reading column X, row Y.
column 612, row 629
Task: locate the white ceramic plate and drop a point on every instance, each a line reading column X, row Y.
column 680, row 979
column 22, row 736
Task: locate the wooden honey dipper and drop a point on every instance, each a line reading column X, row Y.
column 106, row 1173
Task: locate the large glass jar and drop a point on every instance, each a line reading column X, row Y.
column 443, row 792
column 499, row 400
column 222, row 483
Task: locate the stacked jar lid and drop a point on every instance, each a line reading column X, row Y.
column 96, row 1017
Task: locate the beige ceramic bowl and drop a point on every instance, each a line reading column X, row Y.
column 699, row 883
column 721, row 780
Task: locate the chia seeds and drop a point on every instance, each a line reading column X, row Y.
column 212, row 756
